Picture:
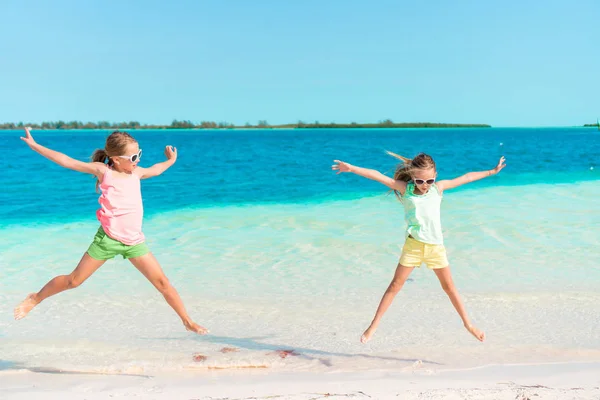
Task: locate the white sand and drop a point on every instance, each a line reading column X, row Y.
column 525, row 382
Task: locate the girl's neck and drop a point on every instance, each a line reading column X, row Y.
column 419, row 192
column 118, row 170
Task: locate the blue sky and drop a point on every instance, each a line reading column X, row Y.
column 507, row 63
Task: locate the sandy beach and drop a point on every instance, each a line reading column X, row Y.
column 516, row 382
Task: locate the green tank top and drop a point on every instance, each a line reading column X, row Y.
column 422, row 214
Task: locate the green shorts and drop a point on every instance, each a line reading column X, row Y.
column 104, row 248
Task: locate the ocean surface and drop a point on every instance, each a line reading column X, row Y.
column 273, row 251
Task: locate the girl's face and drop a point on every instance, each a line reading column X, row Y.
column 128, row 161
column 424, row 178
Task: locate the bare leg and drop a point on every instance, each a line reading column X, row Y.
column 400, row 277
column 150, row 268
column 86, row 267
column 445, row 278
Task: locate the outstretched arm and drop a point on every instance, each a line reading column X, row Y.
column 471, row 177
column 372, row 174
column 159, row 168
column 94, row 168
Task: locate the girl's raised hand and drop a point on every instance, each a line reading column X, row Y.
column 28, row 138
column 171, row 153
column 341, row 166
column 500, row 166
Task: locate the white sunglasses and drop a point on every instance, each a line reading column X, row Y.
column 134, row 157
column 423, row 181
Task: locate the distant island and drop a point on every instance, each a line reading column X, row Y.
column 592, row 125
column 225, row 125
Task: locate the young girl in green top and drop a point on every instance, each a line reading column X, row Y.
column 414, row 183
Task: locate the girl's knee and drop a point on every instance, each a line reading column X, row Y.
column 73, row 281
column 448, row 287
column 163, row 284
column 396, row 285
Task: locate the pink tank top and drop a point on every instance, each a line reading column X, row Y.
column 121, row 209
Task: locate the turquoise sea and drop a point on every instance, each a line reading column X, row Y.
column 271, row 251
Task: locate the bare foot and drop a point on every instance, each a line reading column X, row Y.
column 194, row 327
column 479, row 335
column 26, row 305
column 367, row 335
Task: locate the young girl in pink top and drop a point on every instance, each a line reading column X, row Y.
column 120, row 215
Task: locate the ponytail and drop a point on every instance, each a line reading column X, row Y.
column 399, row 157
column 100, row 155
column 403, row 170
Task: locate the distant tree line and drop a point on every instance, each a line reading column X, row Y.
column 262, row 124
column 388, row 123
column 117, row 125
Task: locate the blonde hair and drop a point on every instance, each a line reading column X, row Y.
column 405, row 169
column 116, row 144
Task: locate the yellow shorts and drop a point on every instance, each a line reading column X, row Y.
column 415, row 253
